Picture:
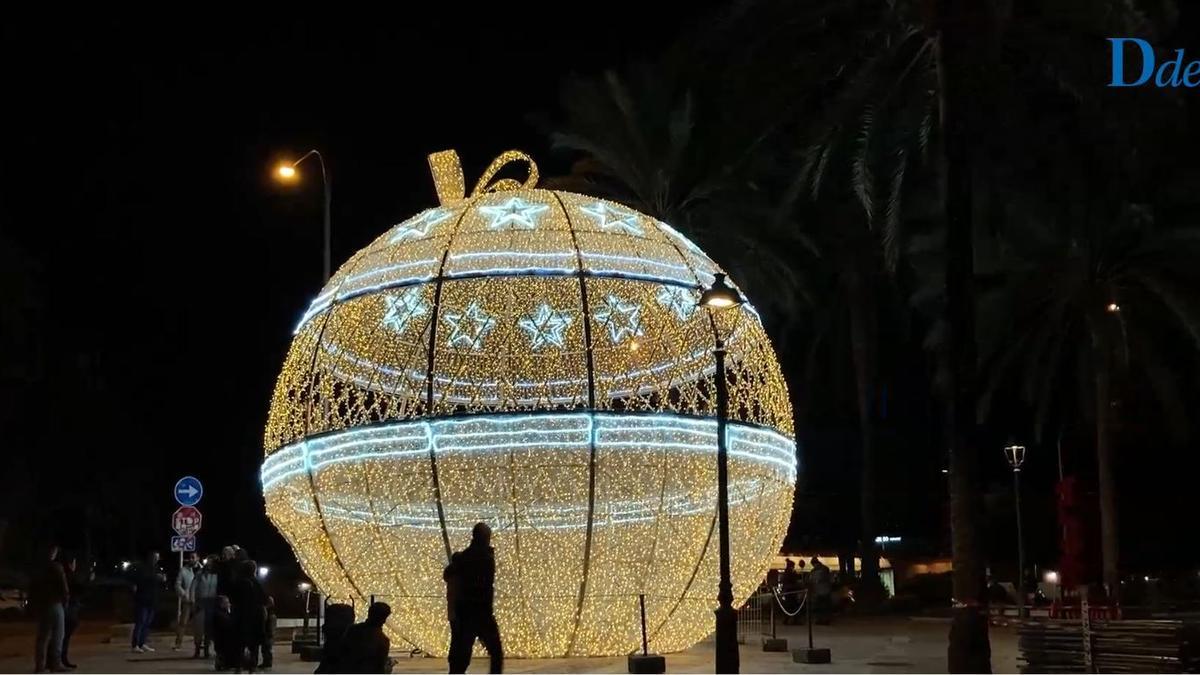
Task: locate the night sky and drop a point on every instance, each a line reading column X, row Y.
column 169, row 269
column 160, row 270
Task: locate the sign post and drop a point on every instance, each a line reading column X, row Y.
column 186, row 522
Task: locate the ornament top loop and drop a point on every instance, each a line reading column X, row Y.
column 448, row 178
column 504, row 184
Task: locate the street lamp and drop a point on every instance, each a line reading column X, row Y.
column 305, row 588
column 286, row 173
column 1015, row 454
column 720, row 296
column 263, row 571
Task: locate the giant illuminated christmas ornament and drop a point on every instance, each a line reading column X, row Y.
column 536, row 360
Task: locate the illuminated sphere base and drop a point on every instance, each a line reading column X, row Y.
column 535, row 360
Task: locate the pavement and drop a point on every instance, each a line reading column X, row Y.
column 858, row 645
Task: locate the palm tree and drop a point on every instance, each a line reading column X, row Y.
column 1094, row 312
column 875, row 127
column 641, row 142
column 960, row 75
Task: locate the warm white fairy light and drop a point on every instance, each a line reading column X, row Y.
column 526, row 423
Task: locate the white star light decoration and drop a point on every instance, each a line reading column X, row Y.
column 514, row 214
column 678, row 300
column 621, row 317
column 469, row 328
column 545, row 326
column 419, row 227
column 404, row 308
column 610, row 219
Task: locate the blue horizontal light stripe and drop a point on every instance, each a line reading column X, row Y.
column 464, row 435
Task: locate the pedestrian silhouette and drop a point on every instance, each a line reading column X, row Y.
column 224, row 635
column 470, row 592
column 249, row 614
column 77, row 584
column 49, row 594
column 339, row 618
column 146, row 582
column 364, row 649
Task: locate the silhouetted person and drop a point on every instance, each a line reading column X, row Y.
column 470, row 591
column 820, row 582
column 249, row 613
column 146, row 579
column 789, row 582
column 224, row 568
column 48, row 597
column 224, row 634
column 186, row 601
column 365, row 648
column 268, row 644
column 204, row 590
column 339, row 617
column 77, row 586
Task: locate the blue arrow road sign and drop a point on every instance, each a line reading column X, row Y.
column 188, row 491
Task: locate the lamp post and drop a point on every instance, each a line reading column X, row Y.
column 305, row 588
column 720, row 296
column 1015, row 454
column 286, row 172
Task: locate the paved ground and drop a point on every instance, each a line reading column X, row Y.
column 876, row 645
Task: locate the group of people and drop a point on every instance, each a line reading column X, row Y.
column 817, row 588
column 55, row 596
column 220, row 599
column 230, row 614
column 470, row 594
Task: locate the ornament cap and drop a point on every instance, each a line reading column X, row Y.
column 447, row 176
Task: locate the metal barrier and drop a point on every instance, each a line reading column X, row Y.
column 765, row 609
column 1107, row 646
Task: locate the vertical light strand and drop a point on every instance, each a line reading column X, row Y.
column 434, row 313
column 329, row 312
column 591, row 394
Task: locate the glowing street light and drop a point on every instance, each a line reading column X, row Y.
column 263, row 571
column 286, row 173
column 718, row 297
column 1015, row 454
column 721, row 295
column 1113, row 308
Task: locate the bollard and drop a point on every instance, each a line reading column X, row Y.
column 774, row 643
column 810, row 655
column 646, row 662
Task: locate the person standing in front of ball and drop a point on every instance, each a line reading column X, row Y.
column 470, row 592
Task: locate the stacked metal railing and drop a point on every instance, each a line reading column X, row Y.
column 1116, row 646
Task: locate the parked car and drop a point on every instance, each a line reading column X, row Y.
column 13, row 601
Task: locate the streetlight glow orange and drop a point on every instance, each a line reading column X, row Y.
column 286, row 171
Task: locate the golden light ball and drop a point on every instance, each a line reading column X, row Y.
column 536, row 360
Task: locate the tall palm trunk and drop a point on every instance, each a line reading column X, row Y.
column 959, row 71
column 1107, row 481
column 863, row 353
